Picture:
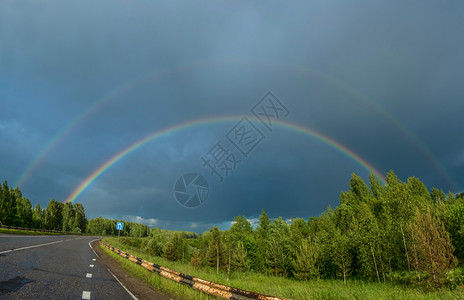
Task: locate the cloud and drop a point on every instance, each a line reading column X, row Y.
column 383, row 82
column 150, row 222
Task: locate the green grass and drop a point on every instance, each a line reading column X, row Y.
column 31, row 232
column 289, row 288
column 26, row 232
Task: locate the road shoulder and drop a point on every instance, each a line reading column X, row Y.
column 136, row 286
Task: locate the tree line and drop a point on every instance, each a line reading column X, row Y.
column 17, row 210
column 376, row 231
column 102, row 226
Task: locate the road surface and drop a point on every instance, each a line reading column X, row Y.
column 55, row 267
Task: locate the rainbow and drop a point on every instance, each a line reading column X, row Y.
column 301, row 72
column 80, row 118
column 158, row 134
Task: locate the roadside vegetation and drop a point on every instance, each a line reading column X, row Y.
column 16, row 210
column 396, row 241
column 26, row 232
column 355, row 288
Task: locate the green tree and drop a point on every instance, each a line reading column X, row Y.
column 241, row 260
column 8, row 206
column 229, row 251
column 399, row 207
column 376, row 189
column 341, row 252
column 54, row 215
column 155, row 245
column 324, row 229
column 306, row 259
column 358, row 188
column 184, row 249
column 171, row 248
column 367, row 238
column 38, row 217
column 264, row 224
column 80, row 221
column 68, row 217
column 2, row 209
column 24, row 212
column 262, row 236
column 389, row 242
column 214, row 253
column 299, row 231
column 279, row 253
column 456, row 228
column 437, row 195
column 241, row 228
column 196, row 260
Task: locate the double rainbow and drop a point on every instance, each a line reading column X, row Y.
column 161, row 133
column 303, row 73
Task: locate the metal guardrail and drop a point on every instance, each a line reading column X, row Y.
column 39, row 230
column 206, row 286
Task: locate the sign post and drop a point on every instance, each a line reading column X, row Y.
column 119, row 226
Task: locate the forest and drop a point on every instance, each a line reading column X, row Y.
column 17, row 210
column 399, row 231
column 383, row 233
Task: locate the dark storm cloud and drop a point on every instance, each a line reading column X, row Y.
column 383, row 79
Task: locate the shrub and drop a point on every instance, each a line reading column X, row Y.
column 455, row 277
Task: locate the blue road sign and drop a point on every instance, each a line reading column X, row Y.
column 119, row 225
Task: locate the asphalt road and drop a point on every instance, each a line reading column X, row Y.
column 54, row 267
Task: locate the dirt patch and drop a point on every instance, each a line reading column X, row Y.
column 136, row 286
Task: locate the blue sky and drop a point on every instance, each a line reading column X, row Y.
column 383, row 79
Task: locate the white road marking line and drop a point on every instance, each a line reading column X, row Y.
column 29, row 247
column 94, row 259
column 88, row 275
column 85, row 295
column 92, row 247
column 91, row 266
column 132, row 295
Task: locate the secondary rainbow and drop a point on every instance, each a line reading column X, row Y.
column 302, row 72
column 158, row 134
column 95, row 106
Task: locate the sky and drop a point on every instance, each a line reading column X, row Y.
column 110, row 103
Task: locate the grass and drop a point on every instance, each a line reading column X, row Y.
column 26, row 232
column 285, row 287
